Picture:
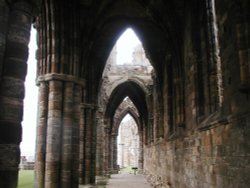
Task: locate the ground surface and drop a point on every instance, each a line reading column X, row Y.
column 123, row 180
column 128, row 181
column 26, row 179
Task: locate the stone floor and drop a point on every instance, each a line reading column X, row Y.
column 127, row 181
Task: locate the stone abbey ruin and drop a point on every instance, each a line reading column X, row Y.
column 192, row 117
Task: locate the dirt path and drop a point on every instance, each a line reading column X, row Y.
column 128, row 181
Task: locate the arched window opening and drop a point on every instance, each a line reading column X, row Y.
column 128, row 52
column 127, row 62
column 128, row 143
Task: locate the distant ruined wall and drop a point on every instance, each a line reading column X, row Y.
column 128, row 144
column 139, row 70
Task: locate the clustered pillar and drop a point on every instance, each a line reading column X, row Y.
column 61, row 85
column 87, row 144
column 41, row 133
column 107, row 151
column 242, row 34
column 114, row 167
column 99, row 148
column 14, row 38
column 54, row 134
column 140, row 160
column 57, row 150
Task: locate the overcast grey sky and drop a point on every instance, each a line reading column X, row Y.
column 30, row 102
column 125, row 46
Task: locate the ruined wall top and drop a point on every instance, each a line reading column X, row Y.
column 139, row 65
column 138, row 70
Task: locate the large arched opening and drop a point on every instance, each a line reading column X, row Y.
column 128, row 143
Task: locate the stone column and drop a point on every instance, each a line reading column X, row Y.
column 145, row 134
column 74, row 160
column 57, row 150
column 87, row 146
column 54, row 135
column 114, row 159
column 107, row 152
column 140, row 160
column 111, row 153
column 13, row 69
column 101, row 151
column 93, row 146
column 82, row 146
column 67, row 134
column 100, row 145
column 99, row 148
column 41, row 134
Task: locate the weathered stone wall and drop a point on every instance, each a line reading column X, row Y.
column 212, row 149
column 217, row 157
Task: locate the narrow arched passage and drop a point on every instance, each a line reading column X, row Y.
column 127, row 108
column 124, row 89
column 197, row 107
column 128, row 143
column 116, row 109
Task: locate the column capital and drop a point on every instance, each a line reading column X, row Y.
column 60, row 77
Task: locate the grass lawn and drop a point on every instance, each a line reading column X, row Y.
column 127, row 170
column 25, row 179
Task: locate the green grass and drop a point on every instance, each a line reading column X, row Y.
column 127, row 169
column 26, row 179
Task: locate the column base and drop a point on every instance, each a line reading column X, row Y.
column 88, row 186
column 101, row 180
column 140, row 171
column 107, row 174
column 115, row 171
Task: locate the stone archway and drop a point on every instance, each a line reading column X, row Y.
column 127, row 107
column 200, row 129
column 128, row 145
column 80, row 69
column 136, row 74
column 113, row 117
